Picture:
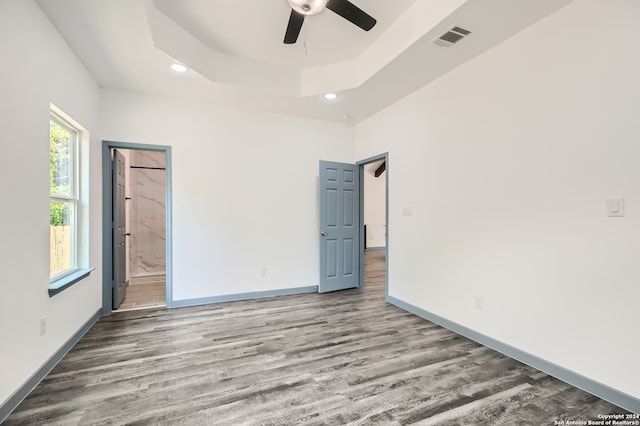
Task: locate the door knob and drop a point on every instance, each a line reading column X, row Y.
column 324, row 234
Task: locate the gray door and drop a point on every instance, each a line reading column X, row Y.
column 120, row 282
column 339, row 226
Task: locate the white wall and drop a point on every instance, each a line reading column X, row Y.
column 244, row 185
column 507, row 162
column 375, row 206
column 37, row 68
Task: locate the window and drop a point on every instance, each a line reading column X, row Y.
column 64, row 197
column 68, row 207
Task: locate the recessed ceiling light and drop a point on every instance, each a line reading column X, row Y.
column 330, row 96
column 179, row 67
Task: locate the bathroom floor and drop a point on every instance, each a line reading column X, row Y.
column 144, row 295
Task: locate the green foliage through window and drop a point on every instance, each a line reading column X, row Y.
column 63, row 196
column 58, row 212
column 60, row 171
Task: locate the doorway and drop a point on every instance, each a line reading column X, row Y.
column 374, row 218
column 147, row 213
column 342, row 222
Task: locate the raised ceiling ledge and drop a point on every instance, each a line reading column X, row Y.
column 414, row 24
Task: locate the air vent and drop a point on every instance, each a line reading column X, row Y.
column 460, row 31
column 454, row 35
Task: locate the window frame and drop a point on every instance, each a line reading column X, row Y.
column 78, row 198
column 74, row 198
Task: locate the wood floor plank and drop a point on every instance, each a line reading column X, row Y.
column 143, row 295
column 313, row 359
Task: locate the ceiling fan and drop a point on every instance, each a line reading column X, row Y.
column 344, row 8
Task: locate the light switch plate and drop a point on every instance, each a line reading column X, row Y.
column 615, row 207
column 407, row 211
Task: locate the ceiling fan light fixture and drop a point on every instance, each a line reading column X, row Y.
column 308, row 7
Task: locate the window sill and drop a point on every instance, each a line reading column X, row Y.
column 65, row 282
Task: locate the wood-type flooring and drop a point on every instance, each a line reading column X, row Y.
column 144, row 295
column 313, row 359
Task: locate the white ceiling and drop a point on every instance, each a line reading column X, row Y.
column 237, row 58
column 256, row 32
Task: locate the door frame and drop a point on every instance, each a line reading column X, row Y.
column 107, row 235
column 384, row 156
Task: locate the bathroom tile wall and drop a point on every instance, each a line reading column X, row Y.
column 147, row 214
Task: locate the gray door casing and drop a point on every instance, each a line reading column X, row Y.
column 107, row 224
column 339, row 226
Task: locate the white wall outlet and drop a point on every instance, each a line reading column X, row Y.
column 478, row 303
column 43, row 326
column 263, row 271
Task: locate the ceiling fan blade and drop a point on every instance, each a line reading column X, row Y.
column 352, row 13
column 293, row 28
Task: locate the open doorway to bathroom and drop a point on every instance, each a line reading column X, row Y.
column 136, row 226
column 145, row 219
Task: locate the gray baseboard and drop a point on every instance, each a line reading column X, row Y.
column 242, row 296
column 18, row 396
column 600, row 390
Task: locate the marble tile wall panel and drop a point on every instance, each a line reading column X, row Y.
column 148, row 159
column 147, row 215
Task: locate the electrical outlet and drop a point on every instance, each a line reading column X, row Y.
column 43, row 326
column 263, row 271
column 478, row 302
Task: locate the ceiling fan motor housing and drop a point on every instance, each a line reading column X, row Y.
column 344, row 8
column 308, row 7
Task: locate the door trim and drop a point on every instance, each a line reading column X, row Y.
column 107, row 237
column 361, row 164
